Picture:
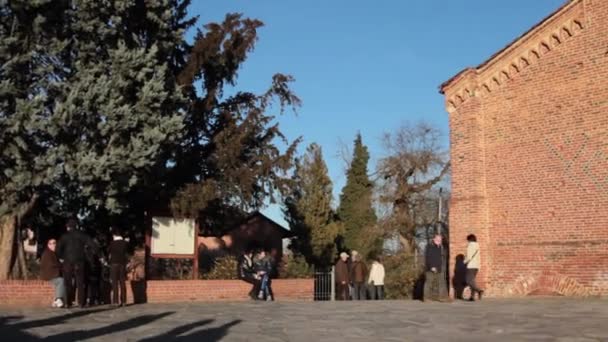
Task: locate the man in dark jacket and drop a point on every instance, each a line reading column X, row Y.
column 247, row 273
column 434, row 287
column 93, row 268
column 118, row 254
column 71, row 250
column 342, row 277
column 358, row 276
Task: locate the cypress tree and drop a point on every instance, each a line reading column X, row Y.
column 355, row 211
column 308, row 210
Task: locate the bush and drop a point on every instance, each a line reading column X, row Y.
column 223, row 268
column 295, row 267
column 170, row 269
column 402, row 276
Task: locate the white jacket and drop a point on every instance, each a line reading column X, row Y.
column 376, row 274
column 473, row 259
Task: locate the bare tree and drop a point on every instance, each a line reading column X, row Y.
column 416, row 162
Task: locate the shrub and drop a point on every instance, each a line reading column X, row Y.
column 223, row 268
column 295, row 267
column 170, row 269
column 402, row 276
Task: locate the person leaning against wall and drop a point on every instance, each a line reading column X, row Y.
column 50, row 270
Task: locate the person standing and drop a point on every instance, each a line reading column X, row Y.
column 71, row 249
column 50, row 270
column 473, row 262
column 118, row 255
column 376, row 279
column 342, row 276
column 434, row 287
column 93, row 273
column 358, row 275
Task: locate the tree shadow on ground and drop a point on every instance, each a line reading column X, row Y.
column 17, row 331
column 207, row 335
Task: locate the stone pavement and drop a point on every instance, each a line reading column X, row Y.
column 532, row 319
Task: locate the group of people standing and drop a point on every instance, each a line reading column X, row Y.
column 354, row 282
column 74, row 265
column 257, row 269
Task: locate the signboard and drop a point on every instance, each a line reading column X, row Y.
column 171, row 236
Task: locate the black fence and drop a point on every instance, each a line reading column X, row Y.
column 324, row 285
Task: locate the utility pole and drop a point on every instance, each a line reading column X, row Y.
column 439, row 211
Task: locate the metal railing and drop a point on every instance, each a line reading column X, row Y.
column 325, row 288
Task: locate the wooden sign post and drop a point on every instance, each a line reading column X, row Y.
column 173, row 238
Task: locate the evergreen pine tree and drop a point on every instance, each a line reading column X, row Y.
column 101, row 114
column 355, row 211
column 308, row 210
column 88, row 107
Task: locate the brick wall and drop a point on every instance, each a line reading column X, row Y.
column 529, row 149
column 40, row 293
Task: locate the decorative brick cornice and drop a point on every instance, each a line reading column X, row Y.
column 566, row 23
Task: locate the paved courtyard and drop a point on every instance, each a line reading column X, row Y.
column 551, row 319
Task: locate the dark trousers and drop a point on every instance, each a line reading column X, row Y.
column 434, row 286
column 376, row 292
column 73, row 274
column 256, row 286
column 359, row 291
column 118, row 277
column 93, row 285
column 342, row 291
column 470, row 279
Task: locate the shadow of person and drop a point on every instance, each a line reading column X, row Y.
column 132, row 323
column 8, row 319
column 460, row 273
column 210, row 334
column 55, row 320
column 207, row 335
column 173, row 334
column 12, row 328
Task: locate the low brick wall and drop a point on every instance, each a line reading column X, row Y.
column 40, row 293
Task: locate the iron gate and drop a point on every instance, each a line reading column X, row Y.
column 324, row 284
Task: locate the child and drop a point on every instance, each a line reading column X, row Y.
column 263, row 267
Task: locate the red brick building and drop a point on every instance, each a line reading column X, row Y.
column 529, row 149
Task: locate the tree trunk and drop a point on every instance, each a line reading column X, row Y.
column 405, row 243
column 8, row 229
column 21, row 262
column 7, row 239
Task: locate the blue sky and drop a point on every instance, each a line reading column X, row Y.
column 370, row 66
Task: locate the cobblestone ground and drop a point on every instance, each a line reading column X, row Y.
column 551, row 319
